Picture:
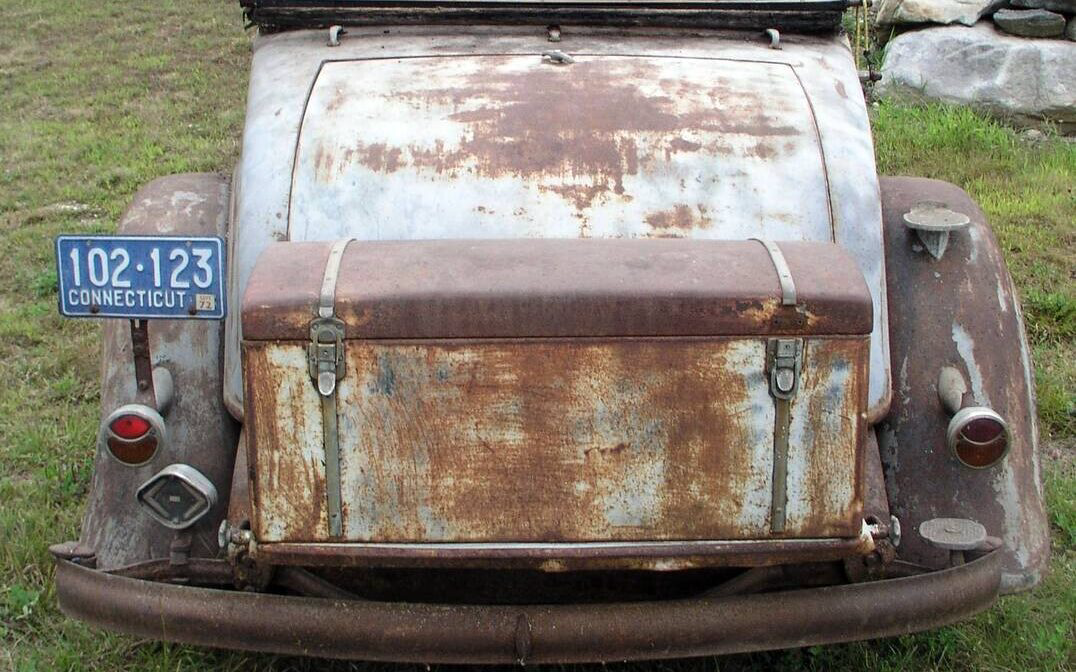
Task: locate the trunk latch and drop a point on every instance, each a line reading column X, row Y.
column 787, row 355
column 325, row 354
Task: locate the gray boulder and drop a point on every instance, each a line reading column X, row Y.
column 967, row 12
column 1022, row 80
column 1063, row 6
column 1030, row 22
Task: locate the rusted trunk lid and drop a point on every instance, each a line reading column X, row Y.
column 558, row 391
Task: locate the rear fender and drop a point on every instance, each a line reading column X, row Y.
column 201, row 433
column 960, row 311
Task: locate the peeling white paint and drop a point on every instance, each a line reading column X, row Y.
column 1003, row 303
column 187, row 200
column 1007, row 491
column 976, row 243
column 905, row 388
column 1032, row 404
column 965, row 347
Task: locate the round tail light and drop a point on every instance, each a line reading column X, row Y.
column 133, row 433
column 978, row 437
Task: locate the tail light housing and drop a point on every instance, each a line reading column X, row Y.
column 978, row 436
column 133, row 434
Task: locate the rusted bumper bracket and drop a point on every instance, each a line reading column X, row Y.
column 535, row 634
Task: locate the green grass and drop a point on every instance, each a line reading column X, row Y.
column 97, row 98
column 1028, row 192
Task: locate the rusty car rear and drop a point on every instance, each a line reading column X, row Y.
column 564, row 332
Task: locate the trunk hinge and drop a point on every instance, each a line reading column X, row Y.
column 785, row 360
column 325, row 358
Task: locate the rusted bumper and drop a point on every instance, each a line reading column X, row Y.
column 535, row 634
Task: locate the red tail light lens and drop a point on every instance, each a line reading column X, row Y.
column 132, row 434
column 130, row 426
column 978, row 437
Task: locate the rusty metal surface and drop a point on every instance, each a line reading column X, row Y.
column 610, row 146
column 239, row 510
column 553, row 288
column 875, row 497
column 429, row 633
column 662, row 556
column 201, row 571
column 650, row 132
column 826, row 439
column 201, row 432
column 556, row 440
column 960, row 311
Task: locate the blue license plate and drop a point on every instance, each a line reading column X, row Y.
column 170, row 277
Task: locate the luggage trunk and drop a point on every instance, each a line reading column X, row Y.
column 554, row 391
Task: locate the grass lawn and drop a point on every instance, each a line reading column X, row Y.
column 97, row 98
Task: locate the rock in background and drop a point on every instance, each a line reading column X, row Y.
column 1024, row 80
column 1013, row 58
column 1030, row 22
column 967, row 12
column 1063, row 6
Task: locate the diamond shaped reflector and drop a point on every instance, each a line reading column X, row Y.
column 178, row 496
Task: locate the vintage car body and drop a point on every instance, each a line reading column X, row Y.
column 595, row 341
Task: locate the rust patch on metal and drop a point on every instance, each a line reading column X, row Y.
column 582, row 196
column 829, row 424
column 586, row 127
column 679, row 221
column 561, row 440
column 287, row 459
column 337, row 100
column 379, row 157
column 376, row 156
column 490, row 443
column 677, row 145
column 648, row 556
column 548, row 122
column 761, row 150
column 760, row 312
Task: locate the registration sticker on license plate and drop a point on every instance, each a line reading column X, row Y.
column 141, row 277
